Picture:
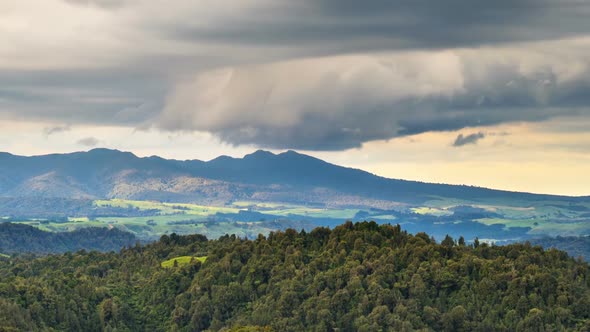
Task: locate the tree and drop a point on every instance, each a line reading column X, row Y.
column 454, row 320
column 448, row 242
column 461, row 241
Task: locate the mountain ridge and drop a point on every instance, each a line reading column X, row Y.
column 261, row 175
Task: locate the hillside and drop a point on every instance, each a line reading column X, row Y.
column 16, row 238
column 260, row 176
column 357, row 277
column 575, row 246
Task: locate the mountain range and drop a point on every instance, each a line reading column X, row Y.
column 260, row 176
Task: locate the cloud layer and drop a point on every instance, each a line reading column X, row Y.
column 334, row 103
column 315, row 75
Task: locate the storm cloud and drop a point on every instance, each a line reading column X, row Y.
column 336, row 103
column 348, row 25
column 314, row 75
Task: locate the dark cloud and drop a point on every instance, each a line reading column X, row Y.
column 147, row 79
column 88, row 142
column 340, row 103
column 48, row 131
column 117, row 96
column 351, row 26
column 469, row 139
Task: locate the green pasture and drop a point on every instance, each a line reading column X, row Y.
column 434, row 211
column 166, row 208
column 182, row 260
column 543, row 226
column 543, row 217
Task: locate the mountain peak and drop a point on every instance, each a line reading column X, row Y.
column 260, row 154
column 291, row 153
column 106, row 151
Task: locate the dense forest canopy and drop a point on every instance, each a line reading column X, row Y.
column 575, row 246
column 16, row 238
column 359, row 276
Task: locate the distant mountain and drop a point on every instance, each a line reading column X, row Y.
column 260, row 176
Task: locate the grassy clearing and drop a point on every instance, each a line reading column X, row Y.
column 166, row 208
column 151, row 228
column 432, row 211
column 543, row 217
column 542, row 226
column 78, row 219
column 263, row 205
column 4, row 255
column 563, row 229
column 315, row 212
column 62, row 226
column 182, row 260
column 511, row 222
column 286, row 209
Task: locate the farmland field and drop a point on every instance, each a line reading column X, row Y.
column 494, row 219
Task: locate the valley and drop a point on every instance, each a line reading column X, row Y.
column 489, row 221
column 260, row 193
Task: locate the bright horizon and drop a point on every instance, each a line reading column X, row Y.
column 425, row 166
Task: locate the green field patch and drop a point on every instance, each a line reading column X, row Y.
column 432, row 211
column 533, row 223
column 182, row 260
column 166, row 208
column 496, row 208
column 140, row 205
column 162, row 219
column 445, row 203
column 4, row 255
column 542, row 226
column 62, row 226
column 264, row 205
column 563, row 229
column 78, row 219
column 315, row 212
column 200, row 209
column 543, row 217
column 509, row 209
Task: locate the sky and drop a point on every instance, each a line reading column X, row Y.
column 487, row 93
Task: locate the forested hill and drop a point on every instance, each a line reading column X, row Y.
column 357, row 277
column 575, row 246
column 17, row 238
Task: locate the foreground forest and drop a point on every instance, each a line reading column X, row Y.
column 359, row 276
